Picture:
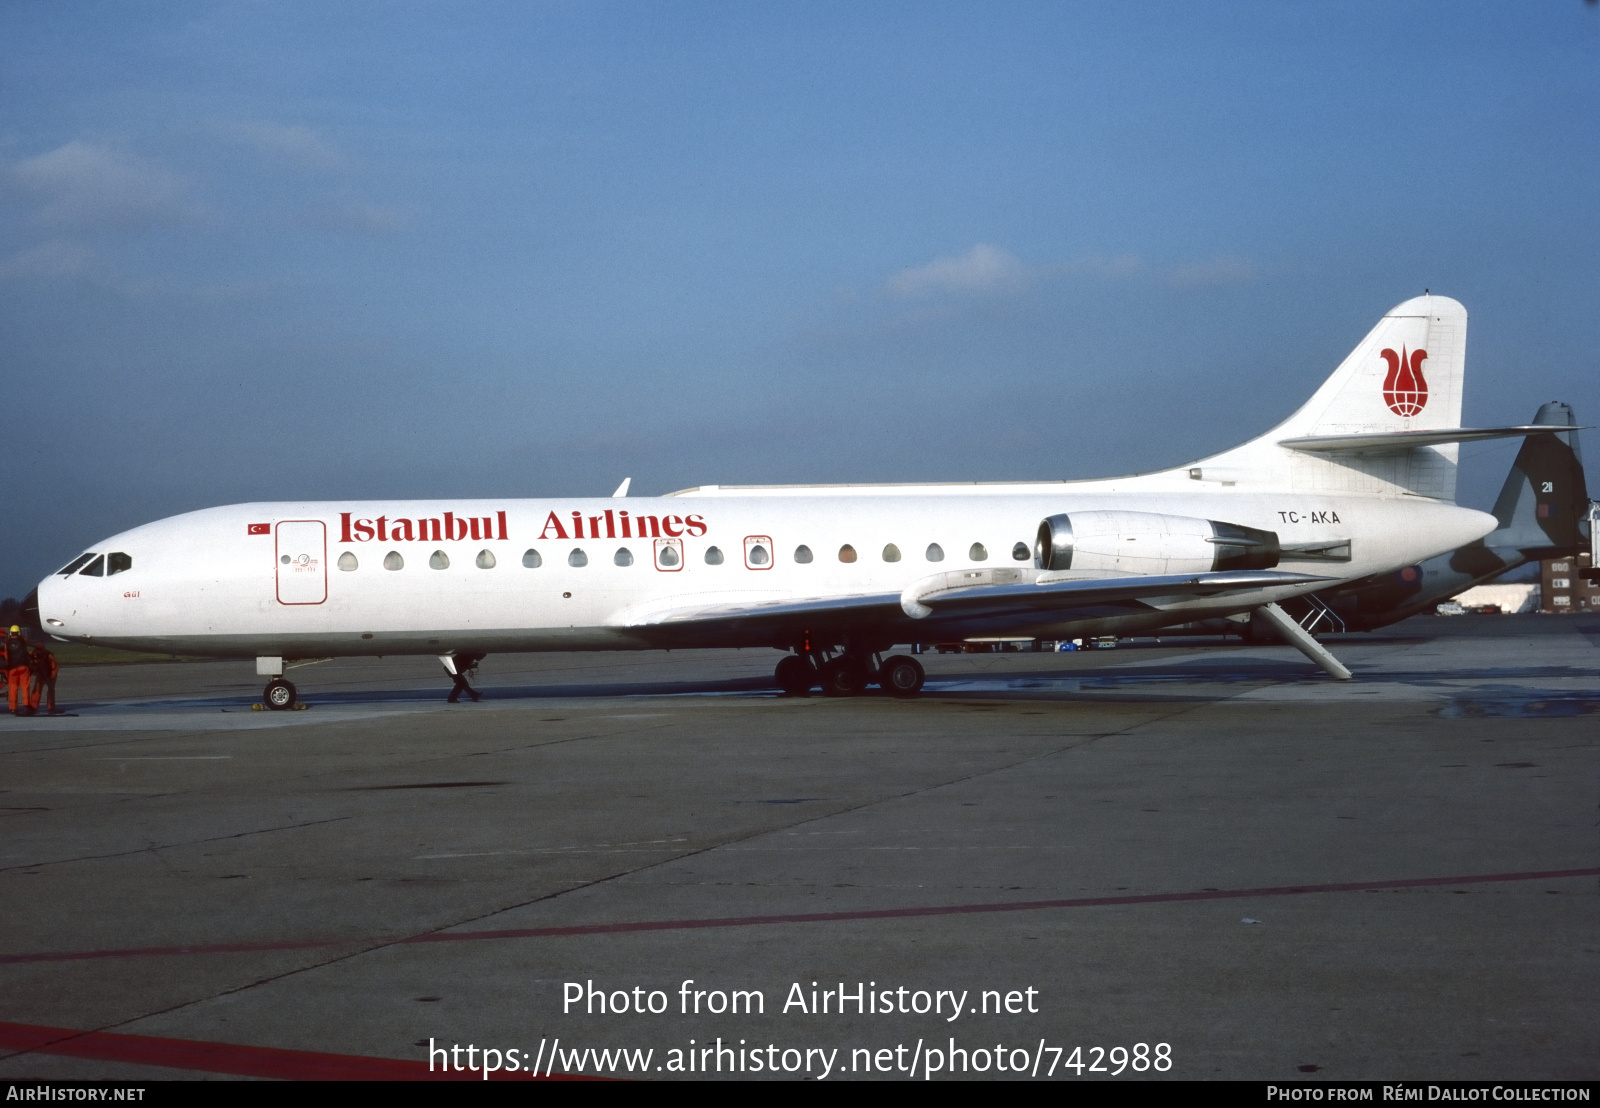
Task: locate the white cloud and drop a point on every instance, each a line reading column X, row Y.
column 48, row 259
column 981, row 269
column 1218, row 271
column 81, row 184
column 298, row 145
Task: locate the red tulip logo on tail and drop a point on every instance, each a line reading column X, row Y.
column 1404, row 389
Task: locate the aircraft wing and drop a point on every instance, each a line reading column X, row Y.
column 942, row 607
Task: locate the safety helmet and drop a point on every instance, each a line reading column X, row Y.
column 15, row 630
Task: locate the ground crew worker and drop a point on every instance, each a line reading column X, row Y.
column 16, row 653
column 43, row 666
column 465, row 664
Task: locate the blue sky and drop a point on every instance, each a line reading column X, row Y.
column 258, row 251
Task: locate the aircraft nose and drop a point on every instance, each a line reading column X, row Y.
column 43, row 613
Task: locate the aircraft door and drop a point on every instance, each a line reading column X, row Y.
column 302, row 561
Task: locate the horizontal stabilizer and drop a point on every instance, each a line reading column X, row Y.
column 1393, row 442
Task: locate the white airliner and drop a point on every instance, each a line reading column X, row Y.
column 1361, row 480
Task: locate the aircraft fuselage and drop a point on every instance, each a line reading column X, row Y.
column 487, row 576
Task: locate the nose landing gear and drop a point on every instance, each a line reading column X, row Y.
column 279, row 695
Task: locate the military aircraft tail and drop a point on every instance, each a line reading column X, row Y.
column 1545, row 499
column 1541, row 509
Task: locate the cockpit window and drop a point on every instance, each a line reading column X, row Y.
column 117, row 562
column 96, row 568
column 75, row 565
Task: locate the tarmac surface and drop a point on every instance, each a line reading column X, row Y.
column 1212, row 850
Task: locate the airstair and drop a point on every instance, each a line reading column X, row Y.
column 1319, row 618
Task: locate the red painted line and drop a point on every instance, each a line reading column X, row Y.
column 812, row 917
column 168, row 951
column 1003, row 906
column 230, row 1058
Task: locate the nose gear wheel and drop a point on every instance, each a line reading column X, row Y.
column 279, row 695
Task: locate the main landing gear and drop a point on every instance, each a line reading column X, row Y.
column 279, row 695
column 902, row 675
column 795, row 675
column 849, row 674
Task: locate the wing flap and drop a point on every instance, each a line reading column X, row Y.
column 776, row 620
column 1051, row 596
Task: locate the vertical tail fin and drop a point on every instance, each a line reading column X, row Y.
column 1545, row 497
column 1406, row 375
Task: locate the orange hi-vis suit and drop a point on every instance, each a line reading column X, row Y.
column 17, row 671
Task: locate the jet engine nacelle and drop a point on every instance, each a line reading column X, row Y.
column 1150, row 543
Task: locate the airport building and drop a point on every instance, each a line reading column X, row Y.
column 1499, row 599
column 1563, row 587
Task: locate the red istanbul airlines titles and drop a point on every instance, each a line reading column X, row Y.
column 609, row 524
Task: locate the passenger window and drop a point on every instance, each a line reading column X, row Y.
column 438, row 560
column 96, row 568
column 802, row 554
column 531, row 559
column 284, row 559
column 935, row 552
column 757, row 555
column 623, row 556
column 577, row 559
column 713, row 556
column 392, row 560
column 117, row 562
column 978, row 553
column 1020, row 552
column 891, row 553
column 486, row 559
column 348, row 563
column 847, row 553
column 667, row 553
column 75, row 565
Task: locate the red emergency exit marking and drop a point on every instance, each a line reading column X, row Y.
column 260, row 528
